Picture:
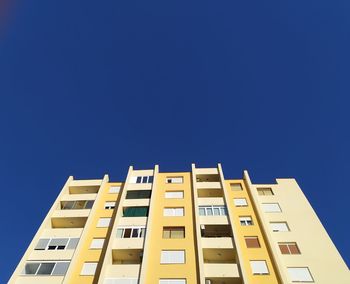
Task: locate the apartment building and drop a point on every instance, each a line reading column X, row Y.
column 181, row 228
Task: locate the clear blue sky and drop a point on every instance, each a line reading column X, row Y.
column 91, row 87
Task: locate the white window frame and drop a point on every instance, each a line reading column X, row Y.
column 97, row 243
column 281, row 224
column 246, row 220
column 103, row 222
column 174, row 211
column 89, row 268
column 144, row 179
column 114, row 189
column 141, row 232
column 272, row 207
column 172, row 257
column 52, row 239
column 40, row 263
column 240, row 202
column 207, row 208
column 172, row 281
column 174, row 179
column 110, row 205
column 179, row 194
column 300, row 274
column 259, row 267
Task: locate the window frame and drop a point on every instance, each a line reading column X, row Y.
column 256, row 240
column 171, row 179
column 243, row 219
column 305, row 268
column 265, row 204
column 85, row 264
column 141, row 232
column 173, row 229
column 245, row 204
column 280, row 222
column 251, row 262
column 101, row 219
column 213, row 208
column 288, row 246
column 174, row 210
column 44, row 262
column 165, row 259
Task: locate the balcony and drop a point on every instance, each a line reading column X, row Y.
column 127, row 256
column 220, row 263
column 118, row 271
column 206, row 171
column 216, row 236
column 213, row 220
column 71, row 213
column 88, row 189
column 128, row 243
column 68, row 222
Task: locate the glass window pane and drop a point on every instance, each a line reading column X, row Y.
column 46, row 268
column 60, row 268
column 42, row 244
column 67, row 204
column 216, row 211
column 209, row 211
column 120, row 233
column 177, row 233
column 89, row 204
column 201, row 211
column 73, row 242
column 150, row 180
column 79, row 204
column 143, row 231
column 31, row 268
column 135, row 233
column 138, row 179
column 127, row 233
column 166, row 233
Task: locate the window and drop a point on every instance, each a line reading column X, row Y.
column 176, row 211
column 57, row 244
column 114, row 189
column 265, row 191
column 79, row 204
column 97, row 244
column 246, row 221
column 300, row 274
column 172, row 281
column 279, row 226
column 240, row 202
column 271, row 207
column 173, row 232
column 141, row 211
column 103, row 222
column 131, row 232
column 46, row 268
column 212, row 210
column 236, row 186
column 289, row 248
column 89, row 268
column 259, row 267
column 252, row 242
column 172, row 256
column 138, row 194
column 174, row 194
column 141, row 179
column 110, row 205
column 174, row 180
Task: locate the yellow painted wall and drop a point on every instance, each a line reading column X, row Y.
column 155, row 270
column 93, row 255
column 248, row 254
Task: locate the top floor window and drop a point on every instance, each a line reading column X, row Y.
column 236, row 186
column 141, row 179
column 78, row 204
column 265, row 191
column 174, row 180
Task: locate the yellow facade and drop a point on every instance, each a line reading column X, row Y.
column 193, row 227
